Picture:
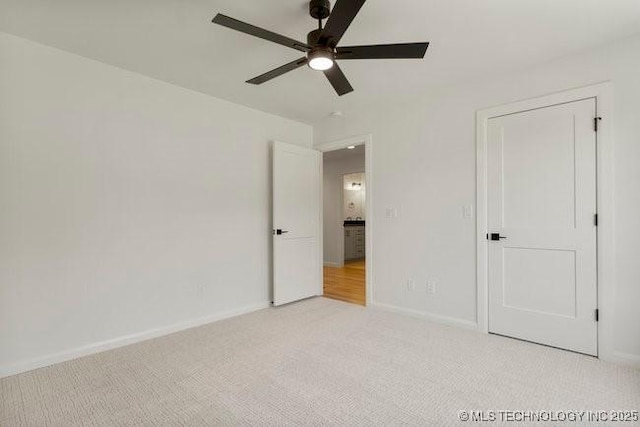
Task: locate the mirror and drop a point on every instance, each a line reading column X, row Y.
column 354, row 197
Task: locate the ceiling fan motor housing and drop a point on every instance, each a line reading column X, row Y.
column 319, row 9
column 321, row 51
column 313, row 36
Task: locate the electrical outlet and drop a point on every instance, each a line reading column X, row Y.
column 411, row 285
column 431, row 287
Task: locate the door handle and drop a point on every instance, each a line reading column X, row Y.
column 279, row 231
column 495, row 236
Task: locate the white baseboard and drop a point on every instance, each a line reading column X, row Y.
column 333, row 264
column 620, row 358
column 63, row 356
column 445, row 320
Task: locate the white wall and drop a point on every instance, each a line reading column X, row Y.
column 333, row 170
column 127, row 205
column 424, row 164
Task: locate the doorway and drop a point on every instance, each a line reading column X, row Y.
column 542, row 270
column 344, row 224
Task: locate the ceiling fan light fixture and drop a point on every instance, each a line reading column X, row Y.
column 321, row 59
column 321, row 63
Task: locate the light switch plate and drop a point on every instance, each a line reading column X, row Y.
column 467, row 211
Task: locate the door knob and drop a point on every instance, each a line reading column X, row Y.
column 279, row 231
column 495, row 236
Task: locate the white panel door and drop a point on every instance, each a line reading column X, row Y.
column 542, row 204
column 297, row 272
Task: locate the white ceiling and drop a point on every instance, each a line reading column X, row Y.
column 174, row 40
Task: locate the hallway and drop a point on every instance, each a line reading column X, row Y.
column 346, row 283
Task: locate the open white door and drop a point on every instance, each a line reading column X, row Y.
column 297, row 272
column 541, row 206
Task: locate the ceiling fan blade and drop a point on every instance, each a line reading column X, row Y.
column 338, row 80
column 343, row 12
column 383, row 51
column 243, row 27
column 278, row 71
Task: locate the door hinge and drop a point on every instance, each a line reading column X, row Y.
column 597, row 315
column 595, row 220
column 596, row 120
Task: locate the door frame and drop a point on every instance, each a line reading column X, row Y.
column 603, row 93
column 367, row 141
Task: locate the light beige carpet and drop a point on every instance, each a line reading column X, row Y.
column 316, row 362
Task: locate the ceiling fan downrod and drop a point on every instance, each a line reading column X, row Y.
column 318, row 9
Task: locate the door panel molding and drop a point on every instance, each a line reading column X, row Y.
column 602, row 92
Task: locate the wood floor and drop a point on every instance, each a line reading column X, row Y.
column 346, row 283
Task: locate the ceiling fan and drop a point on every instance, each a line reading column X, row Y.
column 321, row 47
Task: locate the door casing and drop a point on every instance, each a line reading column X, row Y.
column 602, row 93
